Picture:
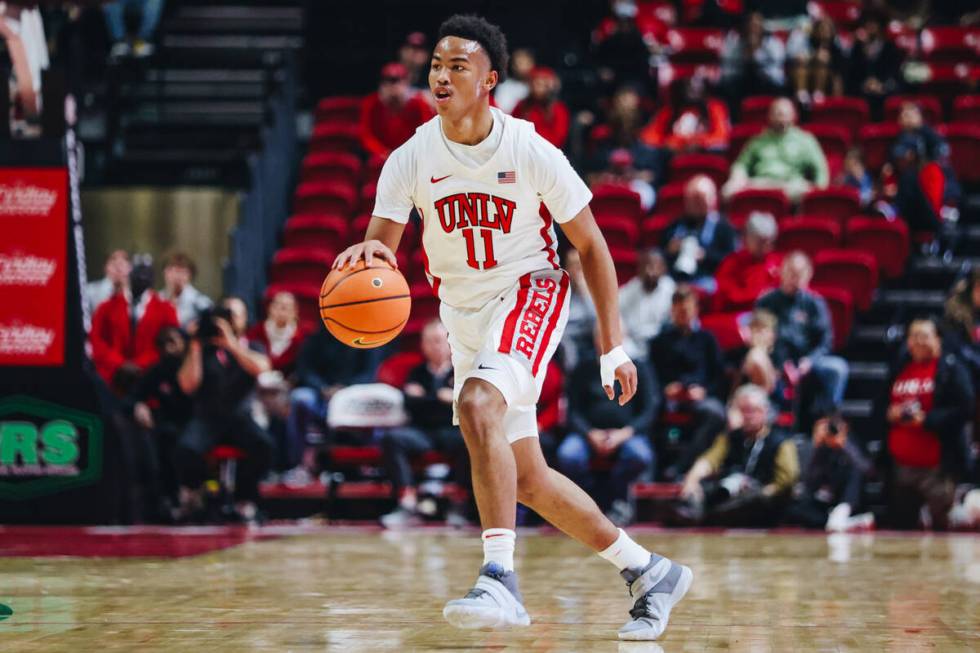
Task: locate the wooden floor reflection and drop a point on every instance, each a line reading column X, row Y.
column 368, row 591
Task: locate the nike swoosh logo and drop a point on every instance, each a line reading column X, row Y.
column 484, row 367
column 436, row 181
column 359, row 340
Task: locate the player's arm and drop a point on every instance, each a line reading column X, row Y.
column 381, row 239
column 600, row 274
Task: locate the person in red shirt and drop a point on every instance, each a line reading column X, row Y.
column 390, row 116
column 691, row 122
column 281, row 334
column 125, row 328
column 747, row 273
column 543, row 108
column 928, row 405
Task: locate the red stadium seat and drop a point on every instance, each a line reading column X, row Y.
column 394, row 369
column 835, row 141
column 620, row 232
column 966, row 109
column 950, row 43
column 835, row 202
column 685, row 166
column 755, row 110
column 307, row 297
column 325, row 198
column 845, row 14
column 932, row 109
column 611, row 199
column 334, row 137
column 964, row 150
column 744, row 202
column 319, row 231
column 372, row 168
column 694, row 44
column 625, row 261
column 425, row 308
column 847, row 112
column 808, row 234
column 670, row 200
column 301, row 265
column 905, row 38
column 653, row 230
column 886, row 240
column 725, row 328
column 876, row 141
column 856, row 272
column 338, row 109
column 368, row 193
column 841, row 307
column 338, row 167
column 947, row 80
column 742, row 134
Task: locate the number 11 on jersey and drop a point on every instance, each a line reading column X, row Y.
column 488, row 259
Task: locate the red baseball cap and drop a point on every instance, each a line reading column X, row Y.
column 416, row 40
column 542, row 71
column 394, row 71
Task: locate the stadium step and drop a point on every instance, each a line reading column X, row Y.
column 866, row 380
column 236, row 18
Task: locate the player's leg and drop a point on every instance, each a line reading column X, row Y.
column 656, row 583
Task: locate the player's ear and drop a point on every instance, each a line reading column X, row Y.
column 491, row 80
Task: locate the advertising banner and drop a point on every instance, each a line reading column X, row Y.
column 33, row 258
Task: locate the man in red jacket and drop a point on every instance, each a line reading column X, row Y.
column 745, row 274
column 543, row 108
column 125, row 328
column 390, row 116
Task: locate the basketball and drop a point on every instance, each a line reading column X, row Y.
column 365, row 307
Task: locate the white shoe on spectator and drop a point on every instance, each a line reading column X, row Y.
column 401, row 517
column 296, row 477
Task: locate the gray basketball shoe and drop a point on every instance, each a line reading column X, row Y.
column 494, row 602
column 658, row 587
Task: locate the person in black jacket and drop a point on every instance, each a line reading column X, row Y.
column 924, row 410
column 609, row 434
column 428, row 394
column 804, row 338
column 961, row 336
column 689, row 364
column 874, row 65
column 697, row 241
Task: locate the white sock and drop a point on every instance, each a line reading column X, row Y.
column 498, row 546
column 625, row 553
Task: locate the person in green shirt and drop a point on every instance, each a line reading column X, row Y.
column 783, row 156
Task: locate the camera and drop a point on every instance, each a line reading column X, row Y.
column 207, row 326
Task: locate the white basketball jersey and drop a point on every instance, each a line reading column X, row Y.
column 483, row 227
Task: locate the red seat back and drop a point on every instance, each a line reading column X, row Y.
column 932, row 109
column 725, row 328
column 964, row 150
column 741, row 134
column 950, row 43
column 694, row 44
column 847, row 112
column 876, row 141
column 966, row 109
column 340, row 167
column 336, row 137
column 685, row 166
column 670, row 200
column 841, row 308
column 808, row 234
column 619, row 232
column 319, row 231
column 744, row 202
column 301, row 265
column 625, row 261
column 338, row 110
column 325, row 198
column 616, row 200
column 886, row 240
column 849, row 270
column 394, row 369
column 755, row 110
column 653, row 230
column 835, row 202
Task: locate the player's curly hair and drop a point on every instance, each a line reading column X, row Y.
column 489, row 36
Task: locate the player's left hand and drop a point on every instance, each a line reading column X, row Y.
column 626, row 375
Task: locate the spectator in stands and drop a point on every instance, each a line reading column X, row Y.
column 873, row 67
column 805, row 336
column 623, row 56
column 624, row 120
column 691, row 122
column 781, row 15
column 429, row 402
column 543, row 108
column 747, row 475
column 856, row 175
column 816, row 62
column 390, row 116
column 622, row 173
column 927, row 405
column 518, row 83
column 220, row 372
column 644, row 302
column 752, row 61
column 919, row 178
column 688, row 362
column 745, row 274
column 577, row 341
column 961, row 325
column 783, row 157
column 762, row 364
column 131, row 26
column 832, row 479
column 22, row 33
column 698, row 241
column 125, row 328
column 161, row 412
column 116, row 280
column 414, row 54
column 179, row 271
column 603, row 430
column 281, row 334
column 325, row 366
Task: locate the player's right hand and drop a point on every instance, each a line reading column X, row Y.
column 367, row 251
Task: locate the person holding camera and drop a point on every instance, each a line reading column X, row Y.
column 220, row 372
column 832, row 479
column 929, row 401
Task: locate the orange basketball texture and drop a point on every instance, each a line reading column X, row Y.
column 365, row 307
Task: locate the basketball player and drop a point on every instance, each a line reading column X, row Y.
column 489, row 189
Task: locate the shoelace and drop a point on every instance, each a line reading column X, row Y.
column 641, row 609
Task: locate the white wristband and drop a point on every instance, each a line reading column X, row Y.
column 609, row 362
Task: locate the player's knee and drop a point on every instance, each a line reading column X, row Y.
column 479, row 406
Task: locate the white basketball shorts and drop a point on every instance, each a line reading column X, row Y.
column 508, row 343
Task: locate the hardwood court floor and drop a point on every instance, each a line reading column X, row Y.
column 361, row 590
